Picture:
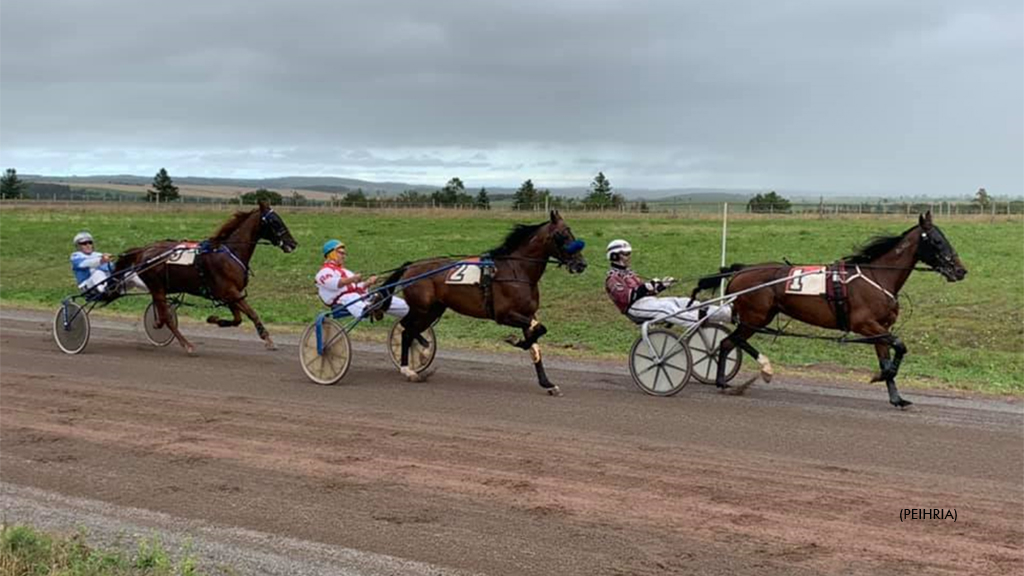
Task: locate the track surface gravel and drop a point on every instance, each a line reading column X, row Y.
column 477, row 471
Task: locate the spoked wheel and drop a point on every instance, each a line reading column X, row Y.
column 331, row 366
column 703, row 344
column 71, row 328
column 667, row 370
column 420, row 356
column 161, row 336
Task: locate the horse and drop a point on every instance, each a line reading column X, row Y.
column 220, row 271
column 512, row 298
column 882, row 266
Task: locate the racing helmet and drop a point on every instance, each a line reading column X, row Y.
column 332, row 245
column 83, row 237
column 618, row 246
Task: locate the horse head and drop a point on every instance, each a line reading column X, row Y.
column 935, row 250
column 563, row 246
column 273, row 228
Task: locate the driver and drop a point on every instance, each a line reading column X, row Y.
column 92, row 269
column 638, row 299
column 339, row 286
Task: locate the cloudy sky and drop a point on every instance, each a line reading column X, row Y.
column 850, row 96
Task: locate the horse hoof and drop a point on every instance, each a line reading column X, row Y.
column 270, row 346
column 901, row 403
column 212, row 320
column 409, row 374
column 555, row 391
column 190, row 350
column 766, row 376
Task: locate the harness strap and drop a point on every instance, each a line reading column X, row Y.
column 863, row 277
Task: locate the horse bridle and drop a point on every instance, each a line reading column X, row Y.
column 276, row 226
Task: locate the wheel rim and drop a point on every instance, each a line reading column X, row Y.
column 159, row 336
column 330, row 367
column 71, row 339
column 663, row 378
column 420, row 358
column 703, row 344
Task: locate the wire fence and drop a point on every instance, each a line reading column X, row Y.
column 657, row 208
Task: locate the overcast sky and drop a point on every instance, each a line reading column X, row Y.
column 850, row 96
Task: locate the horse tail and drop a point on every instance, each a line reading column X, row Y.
column 391, row 285
column 714, row 280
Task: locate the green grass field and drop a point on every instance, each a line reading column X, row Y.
column 967, row 335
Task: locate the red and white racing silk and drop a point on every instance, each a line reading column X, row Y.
column 327, row 283
column 621, row 285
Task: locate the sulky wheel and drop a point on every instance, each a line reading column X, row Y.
column 161, row 336
column 420, row 356
column 663, row 371
column 71, row 328
column 329, row 367
column 703, row 344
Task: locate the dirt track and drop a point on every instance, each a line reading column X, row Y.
column 478, row 470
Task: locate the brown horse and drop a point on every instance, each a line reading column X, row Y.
column 512, row 297
column 877, row 272
column 220, row 271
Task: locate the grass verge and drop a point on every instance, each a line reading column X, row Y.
column 968, row 335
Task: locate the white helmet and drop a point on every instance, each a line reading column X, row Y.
column 618, row 247
column 82, row 237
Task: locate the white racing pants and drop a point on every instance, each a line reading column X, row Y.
column 650, row 307
column 98, row 280
column 398, row 307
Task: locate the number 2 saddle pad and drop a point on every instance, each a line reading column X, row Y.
column 806, row 280
column 184, row 254
column 466, row 272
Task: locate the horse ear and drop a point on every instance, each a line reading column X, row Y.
column 925, row 220
column 555, row 216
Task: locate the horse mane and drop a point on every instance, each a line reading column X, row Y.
column 875, row 248
column 229, row 227
column 520, row 233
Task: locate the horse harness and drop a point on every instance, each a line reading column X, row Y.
column 837, row 280
column 205, row 248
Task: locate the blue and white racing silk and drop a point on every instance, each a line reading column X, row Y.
column 90, row 269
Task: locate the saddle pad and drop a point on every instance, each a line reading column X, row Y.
column 466, row 273
column 184, row 254
column 806, row 280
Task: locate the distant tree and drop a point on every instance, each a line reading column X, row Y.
column 643, row 207
column 482, row 201
column 163, row 189
column 525, row 197
column 413, row 197
column 618, row 200
column 356, row 197
column 600, row 195
column 261, row 194
column 982, row 199
column 770, row 202
column 298, row 199
column 454, row 192
column 10, row 185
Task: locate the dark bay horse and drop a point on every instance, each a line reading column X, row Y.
column 877, row 272
column 220, row 271
column 513, row 297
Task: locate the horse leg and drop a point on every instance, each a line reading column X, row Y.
column 413, row 326
column 738, row 338
column 227, row 323
column 532, row 331
column 888, row 369
column 163, row 314
column 244, row 307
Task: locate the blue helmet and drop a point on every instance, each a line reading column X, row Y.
column 332, row 245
